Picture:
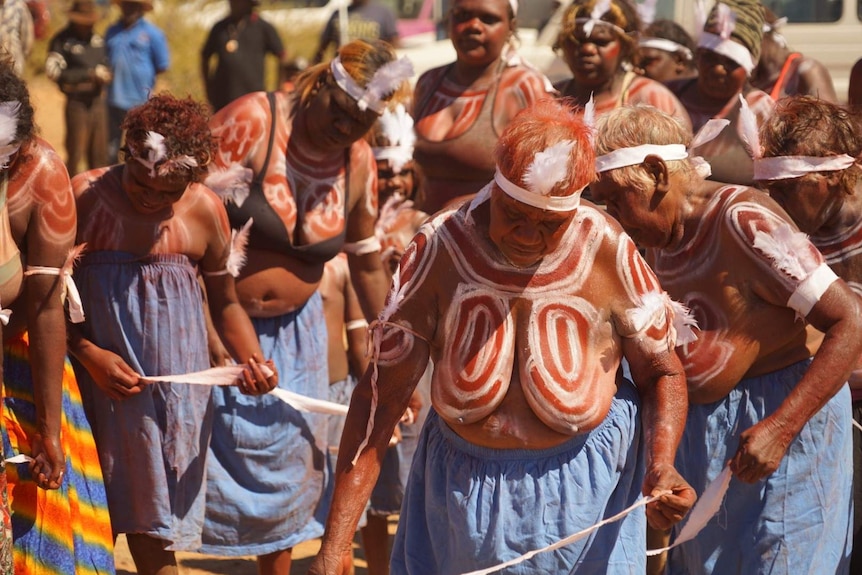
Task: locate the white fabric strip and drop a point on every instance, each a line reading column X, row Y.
column 70, row 290
column 786, row 167
column 549, row 203
column 228, row 374
column 637, row 154
column 349, row 85
column 20, row 458
column 733, row 50
column 5, row 315
column 665, row 45
column 590, row 23
column 812, row 289
column 856, row 424
column 369, row 245
column 570, row 539
column 356, row 324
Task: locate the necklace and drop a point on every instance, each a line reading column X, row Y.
column 233, row 31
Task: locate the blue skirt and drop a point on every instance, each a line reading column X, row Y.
column 468, row 507
column 267, row 469
column 153, row 445
column 797, row 521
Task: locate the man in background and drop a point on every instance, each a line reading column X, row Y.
column 366, row 20
column 16, row 32
column 78, row 63
column 240, row 43
column 137, row 53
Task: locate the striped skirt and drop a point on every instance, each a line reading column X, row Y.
column 61, row 531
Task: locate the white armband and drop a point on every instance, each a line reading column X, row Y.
column 367, row 246
column 223, row 272
column 812, row 288
column 70, row 290
column 355, row 324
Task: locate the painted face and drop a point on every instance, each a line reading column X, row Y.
column 334, row 119
column 595, row 59
column 808, row 200
column 632, row 208
column 659, row 65
column 718, row 76
column 389, row 182
column 151, row 195
column 522, row 233
column 479, row 30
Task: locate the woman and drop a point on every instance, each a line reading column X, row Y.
column 461, row 108
column 598, row 41
column 666, row 52
column 313, row 189
column 149, row 228
column 727, row 51
column 63, row 490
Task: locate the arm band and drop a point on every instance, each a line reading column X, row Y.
column 70, row 290
column 367, row 246
column 356, row 324
column 812, row 288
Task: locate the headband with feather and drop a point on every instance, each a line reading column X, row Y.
column 396, row 127
column 8, row 131
column 548, row 168
column 600, row 8
column 157, row 155
column 386, row 80
column 721, row 42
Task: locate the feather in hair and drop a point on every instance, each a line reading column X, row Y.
column 708, row 132
column 747, row 129
column 548, row 168
column 725, row 20
column 600, row 8
column 782, row 246
column 156, row 143
column 182, row 162
column 385, row 80
column 397, row 127
column 700, row 15
column 684, row 323
column 238, row 243
column 646, row 11
column 590, row 117
column 8, row 130
column 231, row 184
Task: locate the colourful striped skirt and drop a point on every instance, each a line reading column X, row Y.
column 61, row 531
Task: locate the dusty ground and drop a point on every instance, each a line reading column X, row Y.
column 48, row 103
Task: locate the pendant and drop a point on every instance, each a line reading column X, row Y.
column 231, row 46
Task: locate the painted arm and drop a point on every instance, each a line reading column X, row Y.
column 837, row 314
column 815, row 81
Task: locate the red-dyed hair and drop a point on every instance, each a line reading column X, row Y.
column 535, row 129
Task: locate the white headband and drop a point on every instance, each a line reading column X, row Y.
column 590, row 23
column 637, row 154
column 786, row 167
column 665, row 45
column 549, row 203
column 385, row 80
column 728, row 48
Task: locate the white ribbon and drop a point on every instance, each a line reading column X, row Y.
column 20, row 458
column 637, row 154
column 70, row 290
column 733, row 50
column 549, row 203
column 786, row 167
column 228, row 374
column 665, row 45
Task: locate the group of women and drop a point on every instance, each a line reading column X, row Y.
column 234, row 470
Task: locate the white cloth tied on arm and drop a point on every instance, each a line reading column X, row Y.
column 369, row 245
column 228, row 374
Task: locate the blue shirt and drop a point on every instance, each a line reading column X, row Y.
column 136, row 55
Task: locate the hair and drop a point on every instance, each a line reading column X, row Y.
column 809, row 126
column 361, row 59
column 670, row 30
column 183, row 122
column 621, row 13
column 748, row 30
column 534, row 129
column 14, row 89
column 634, row 125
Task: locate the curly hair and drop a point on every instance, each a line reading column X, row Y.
column 14, row 89
column 361, row 59
column 184, row 123
column 533, row 130
column 621, row 14
column 809, row 126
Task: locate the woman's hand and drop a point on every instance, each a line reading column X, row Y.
column 255, row 380
column 111, row 373
column 48, row 463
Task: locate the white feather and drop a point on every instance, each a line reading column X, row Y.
column 700, row 15
column 8, row 122
column 156, row 144
column 590, row 117
column 238, row 243
column 397, row 127
column 708, row 132
column 385, row 80
column 782, row 246
column 653, row 305
column 684, row 323
column 232, row 183
column 646, row 11
column 747, row 128
column 549, row 168
column 600, row 8
column 725, row 20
